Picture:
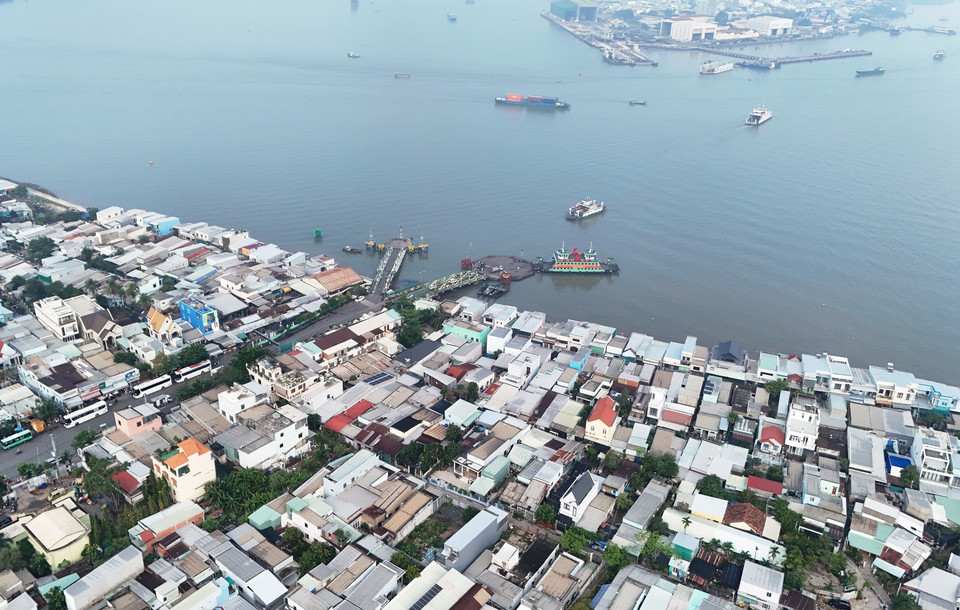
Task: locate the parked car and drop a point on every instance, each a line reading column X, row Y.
column 839, row 604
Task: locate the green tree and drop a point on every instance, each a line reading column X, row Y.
column 686, row 522
column 776, row 386
column 793, row 580
column 612, row 460
column 454, row 433
column 546, row 514
column 775, row 473
column 910, row 477
column 733, row 418
column 473, row 392
column 573, row 540
column 91, row 286
column 28, row 469
column 722, row 18
column 712, row 485
column 41, row 247
column 83, row 438
column 20, row 192
column 615, row 557
column 123, row 357
column 55, row 599
column 903, row 601
column 624, row 501
column 47, row 410
column 469, row 513
column 652, row 545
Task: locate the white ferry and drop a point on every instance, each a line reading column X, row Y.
column 584, row 209
column 715, row 67
column 759, row 116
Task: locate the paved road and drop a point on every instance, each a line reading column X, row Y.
column 342, row 315
column 39, row 449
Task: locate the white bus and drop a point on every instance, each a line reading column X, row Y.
column 149, row 387
column 83, row 414
column 189, row 372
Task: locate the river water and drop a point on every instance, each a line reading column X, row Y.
column 833, row 227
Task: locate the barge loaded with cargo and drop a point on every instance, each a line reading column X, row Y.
column 533, row 101
column 574, row 261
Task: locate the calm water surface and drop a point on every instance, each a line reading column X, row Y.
column 831, row 228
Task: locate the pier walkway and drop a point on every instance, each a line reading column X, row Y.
column 775, row 62
column 396, row 250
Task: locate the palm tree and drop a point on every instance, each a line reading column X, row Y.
column 686, row 523
column 774, row 552
column 144, row 302
column 91, row 286
column 113, row 287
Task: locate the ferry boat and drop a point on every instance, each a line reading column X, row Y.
column 352, row 55
column 451, row 17
column 878, row 71
column 574, row 261
column 715, row 67
column 895, row 31
column 535, row 101
column 939, row 54
column 759, row 116
column 584, row 209
column 638, row 102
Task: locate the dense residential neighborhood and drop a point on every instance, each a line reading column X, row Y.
column 429, row 452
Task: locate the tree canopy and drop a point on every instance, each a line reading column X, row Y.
column 910, row 477
column 41, row 247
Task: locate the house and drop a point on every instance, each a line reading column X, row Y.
column 935, row 588
column 574, row 503
column 803, row 426
column 745, row 516
column 199, row 315
column 134, row 420
column 760, row 587
column 93, row 588
column 771, row 440
column 764, row 487
column 477, row 535
column 58, row 534
column 187, row 469
column 57, row 317
column 602, row 422
column 150, row 530
column 162, row 327
column 937, row 457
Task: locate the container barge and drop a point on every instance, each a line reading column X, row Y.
column 533, row 101
column 574, row 261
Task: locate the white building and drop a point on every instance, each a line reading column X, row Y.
column 239, row 398
column 760, row 587
column 689, row 28
column 803, row 426
column 767, row 25
column 57, row 317
column 348, row 472
column 187, row 470
column 936, row 457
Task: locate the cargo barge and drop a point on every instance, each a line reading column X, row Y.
column 533, row 101
column 574, row 261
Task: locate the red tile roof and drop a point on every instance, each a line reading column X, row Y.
column 338, row 278
column 772, row 433
column 126, row 481
column 605, row 411
column 676, row 418
column 747, row 514
column 759, row 484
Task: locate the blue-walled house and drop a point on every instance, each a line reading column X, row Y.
column 199, row 316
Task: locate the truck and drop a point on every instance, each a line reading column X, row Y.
column 38, row 425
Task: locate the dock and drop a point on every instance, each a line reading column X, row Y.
column 438, row 286
column 757, row 61
column 613, row 52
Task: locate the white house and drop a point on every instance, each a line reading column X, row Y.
column 574, row 503
column 803, row 426
column 602, row 422
column 760, row 587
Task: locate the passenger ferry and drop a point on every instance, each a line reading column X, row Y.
column 759, row 116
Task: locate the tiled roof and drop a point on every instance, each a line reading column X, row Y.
column 126, row 481
column 746, row 513
column 358, row 409
column 772, row 433
column 337, row 279
column 338, row 422
column 605, row 411
column 192, row 446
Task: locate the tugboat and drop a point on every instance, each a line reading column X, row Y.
column 352, row 55
column 939, row 54
column 350, row 250
column 564, row 261
column 584, row 209
column 759, row 116
column 878, row 71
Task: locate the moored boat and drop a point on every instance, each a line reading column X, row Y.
column 574, row 261
column 878, row 71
